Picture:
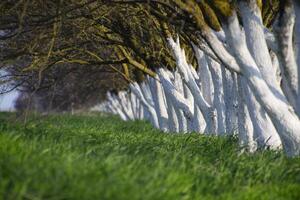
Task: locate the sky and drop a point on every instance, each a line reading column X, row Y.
column 7, row 100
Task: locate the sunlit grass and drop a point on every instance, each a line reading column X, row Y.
column 102, row 157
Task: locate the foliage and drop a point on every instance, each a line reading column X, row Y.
column 127, row 37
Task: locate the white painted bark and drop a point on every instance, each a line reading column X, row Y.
column 124, row 105
column 198, row 121
column 172, row 120
column 141, row 112
column 129, row 108
column 145, row 88
column 203, row 46
column 182, row 120
column 173, row 125
column 138, row 104
column 245, row 127
column 218, row 102
column 220, row 35
column 206, row 83
column 265, row 132
column 230, row 99
column 297, row 37
column 159, row 102
column 190, row 99
column 282, row 115
column 297, row 47
column 110, row 107
column 271, row 40
column 256, row 42
column 137, row 91
column 285, row 30
column 220, row 51
column 183, row 67
column 116, row 106
column 124, row 98
column 276, row 65
column 176, row 97
column 133, row 104
column 147, row 115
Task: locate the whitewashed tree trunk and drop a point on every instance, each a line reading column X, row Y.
column 257, row 93
column 172, row 120
column 284, row 32
column 124, row 105
column 230, row 99
column 245, row 126
column 159, row 103
column 277, row 67
column 141, row 113
column 265, row 133
column 198, row 123
column 137, row 91
column 116, row 106
column 188, row 77
column 145, row 89
column 283, row 116
column 206, row 83
column 256, row 43
column 189, row 97
column 175, row 96
column 218, row 102
column 147, row 115
column 183, row 122
column 133, row 104
column 297, row 38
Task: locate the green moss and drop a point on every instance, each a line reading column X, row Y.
column 269, row 12
column 222, row 7
column 210, row 16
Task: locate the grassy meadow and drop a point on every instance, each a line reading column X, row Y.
column 101, row 157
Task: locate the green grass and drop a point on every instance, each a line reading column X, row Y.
column 98, row 157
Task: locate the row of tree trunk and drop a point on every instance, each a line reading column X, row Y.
column 250, row 87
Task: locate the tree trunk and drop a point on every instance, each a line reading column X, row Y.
column 218, row 102
column 245, row 127
column 159, row 103
column 282, row 115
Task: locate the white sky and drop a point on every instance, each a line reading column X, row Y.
column 7, row 101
